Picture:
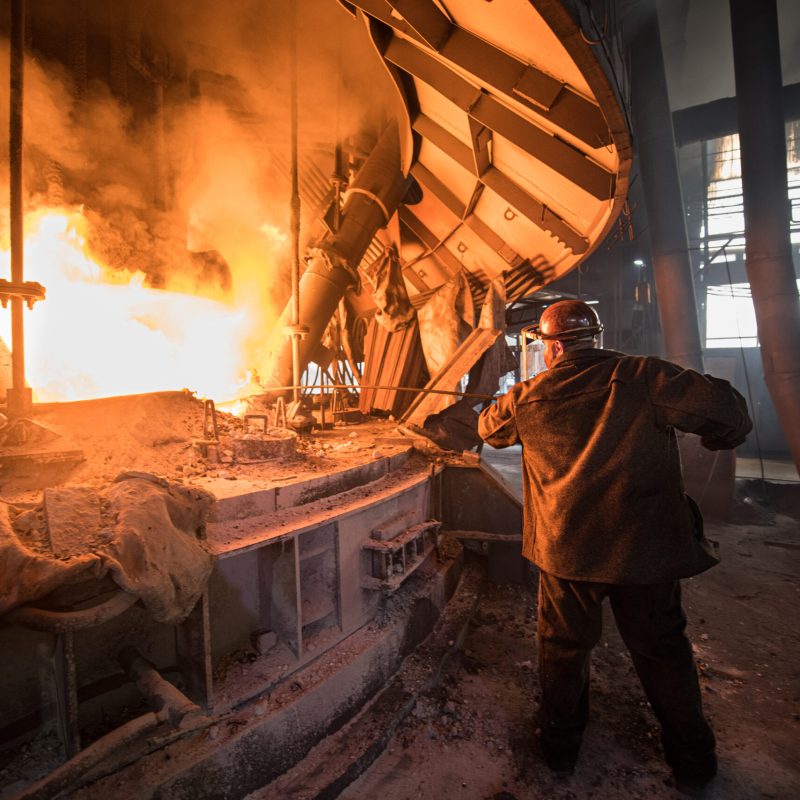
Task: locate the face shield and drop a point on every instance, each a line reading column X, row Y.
column 531, row 353
column 532, row 346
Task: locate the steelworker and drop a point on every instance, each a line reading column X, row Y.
column 606, row 516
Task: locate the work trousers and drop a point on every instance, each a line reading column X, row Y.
column 652, row 624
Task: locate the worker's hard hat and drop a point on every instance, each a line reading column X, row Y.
column 568, row 321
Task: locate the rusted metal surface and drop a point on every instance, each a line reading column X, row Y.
column 476, row 498
column 169, row 703
column 394, row 560
column 63, row 778
column 484, row 536
column 42, row 619
column 391, row 360
column 193, row 652
column 66, row 691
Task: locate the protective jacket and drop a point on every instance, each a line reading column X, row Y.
column 602, row 482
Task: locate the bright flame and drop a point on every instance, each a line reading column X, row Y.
column 101, row 333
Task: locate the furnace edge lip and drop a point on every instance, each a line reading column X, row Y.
column 396, row 477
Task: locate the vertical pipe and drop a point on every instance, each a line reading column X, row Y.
column 295, row 210
column 762, row 138
column 17, row 405
column 380, row 186
column 655, row 139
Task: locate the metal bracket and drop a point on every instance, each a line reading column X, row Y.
column 29, row 291
column 280, row 413
column 210, row 430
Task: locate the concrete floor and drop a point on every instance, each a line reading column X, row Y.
column 472, row 737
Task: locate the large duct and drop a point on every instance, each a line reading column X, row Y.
column 655, row 144
column 762, row 138
column 371, row 200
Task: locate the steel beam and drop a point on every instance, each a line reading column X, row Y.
column 460, row 212
column 549, row 97
column 494, row 240
column 426, row 20
column 430, row 182
column 538, row 213
column 428, row 238
column 445, row 141
column 485, row 109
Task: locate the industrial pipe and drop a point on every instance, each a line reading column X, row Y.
column 169, row 703
column 42, row 619
column 370, row 202
column 762, row 139
column 70, row 772
column 655, row 142
column 296, row 331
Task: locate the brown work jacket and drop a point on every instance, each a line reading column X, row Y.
column 602, row 482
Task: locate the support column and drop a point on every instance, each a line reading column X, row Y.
column 655, row 143
column 19, row 395
column 762, row 137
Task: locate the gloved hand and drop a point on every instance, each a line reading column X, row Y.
column 714, row 443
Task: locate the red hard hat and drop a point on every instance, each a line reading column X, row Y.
column 569, row 320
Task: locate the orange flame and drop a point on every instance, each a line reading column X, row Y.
column 100, row 333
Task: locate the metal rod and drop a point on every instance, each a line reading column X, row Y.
column 295, row 206
column 17, row 71
column 71, row 772
column 170, row 704
column 67, row 693
column 42, row 619
column 472, row 396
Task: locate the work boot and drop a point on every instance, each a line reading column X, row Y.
column 559, row 757
column 692, row 778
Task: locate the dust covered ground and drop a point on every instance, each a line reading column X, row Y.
column 159, row 432
column 474, row 736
